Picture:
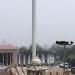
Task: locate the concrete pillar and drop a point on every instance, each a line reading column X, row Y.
column 19, row 59
column 14, row 57
column 24, row 58
column 29, row 59
column 38, row 55
column 33, row 28
column 48, row 58
column 7, row 58
column 3, row 58
column 10, row 58
column 53, row 59
column 43, row 58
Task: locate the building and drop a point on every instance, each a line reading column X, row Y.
column 25, row 56
column 11, row 55
column 8, row 54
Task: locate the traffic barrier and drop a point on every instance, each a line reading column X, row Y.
column 17, row 70
column 4, row 72
column 56, row 71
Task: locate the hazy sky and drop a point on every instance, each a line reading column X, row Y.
column 55, row 21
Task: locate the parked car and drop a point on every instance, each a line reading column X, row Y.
column 62, row 65
column 67, row 66
column 73, row 70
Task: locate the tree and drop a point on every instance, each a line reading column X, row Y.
column 71, row 59
column 69, row 53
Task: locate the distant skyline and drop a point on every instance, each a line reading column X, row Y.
column 55, row 21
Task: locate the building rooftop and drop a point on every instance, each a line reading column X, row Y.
column 7, row 46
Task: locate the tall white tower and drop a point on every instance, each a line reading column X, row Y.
column 35, row 60
column 33, row 28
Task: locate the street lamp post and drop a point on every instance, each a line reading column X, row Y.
column 64, row 58
column 64, row 43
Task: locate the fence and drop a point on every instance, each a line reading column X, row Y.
column 18, row 70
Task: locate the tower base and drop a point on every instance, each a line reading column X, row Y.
column 36, row 61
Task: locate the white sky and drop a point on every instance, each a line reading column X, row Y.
column 55, row 21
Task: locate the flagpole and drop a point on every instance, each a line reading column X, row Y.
column 33, row 28
column 35, row 60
